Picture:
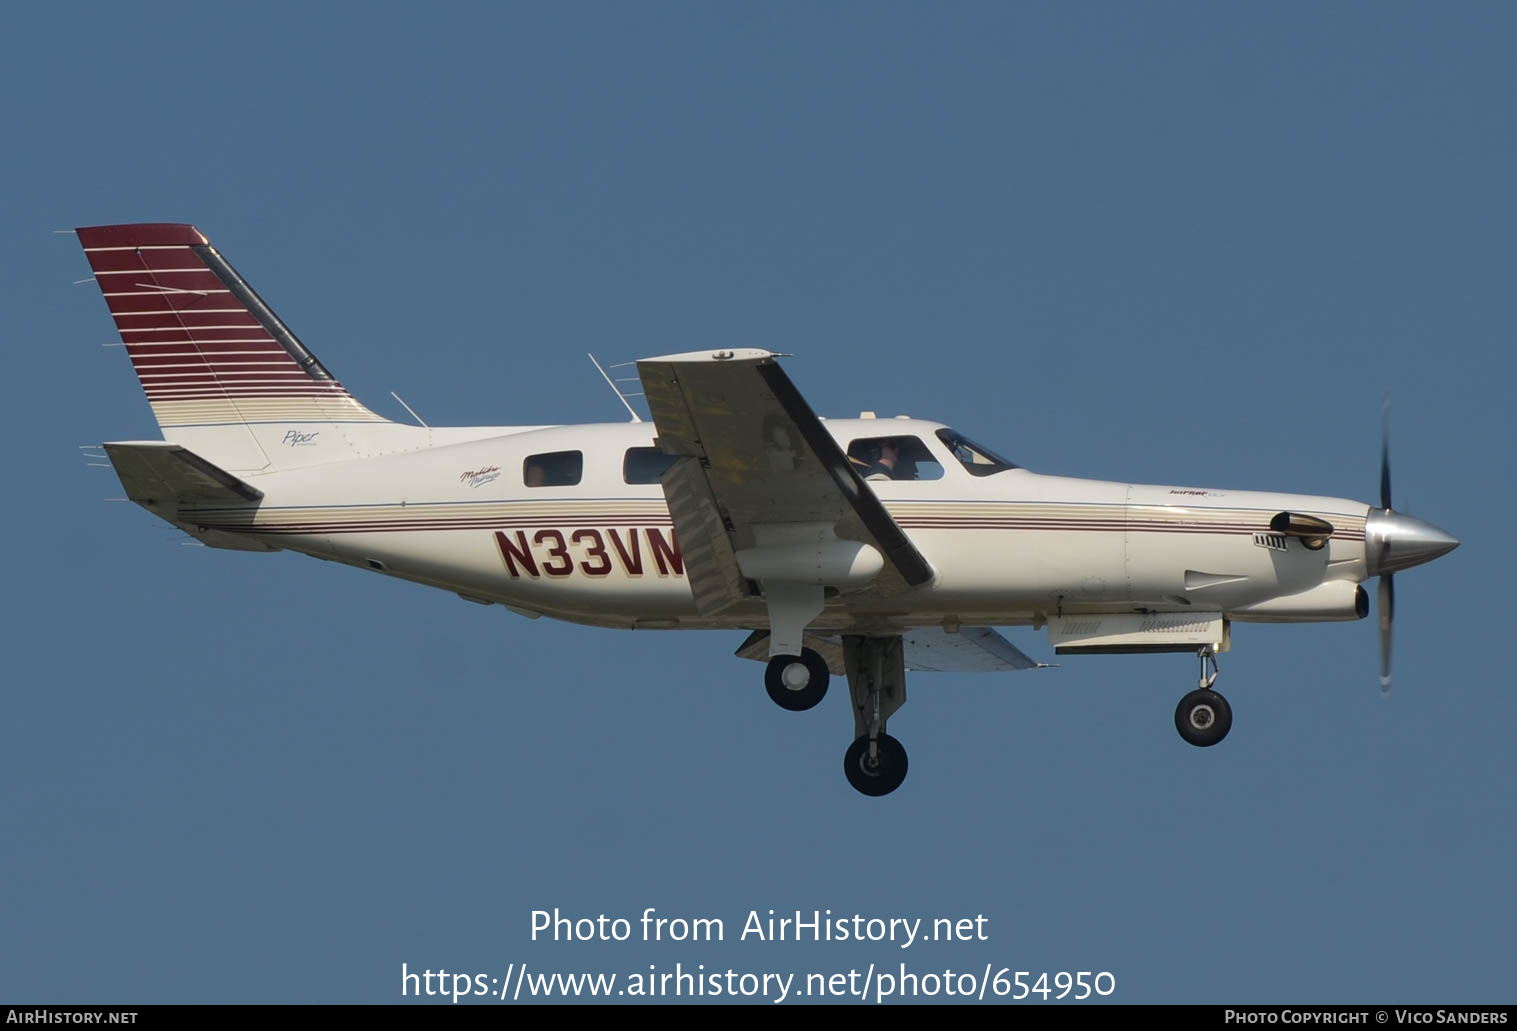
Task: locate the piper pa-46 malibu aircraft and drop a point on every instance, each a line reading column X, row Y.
column 859, row 547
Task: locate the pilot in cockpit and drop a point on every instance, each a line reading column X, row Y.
column 879, row 459
column 886, row 460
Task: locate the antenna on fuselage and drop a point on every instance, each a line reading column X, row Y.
column 612, row 384
column 408, row 408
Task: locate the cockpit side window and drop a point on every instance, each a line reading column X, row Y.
column 893, row 458
column 553, row 469
column 980, row 461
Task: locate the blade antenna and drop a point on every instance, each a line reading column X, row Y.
column 408, row 408
column 616, row 389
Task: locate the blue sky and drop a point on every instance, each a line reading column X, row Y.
column 1170, row 243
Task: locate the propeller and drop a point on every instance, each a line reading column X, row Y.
column 1385, row 603
column 1394, row 541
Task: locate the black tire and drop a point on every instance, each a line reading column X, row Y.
column 1203, row 718
column 807, row 695
column 880, row 778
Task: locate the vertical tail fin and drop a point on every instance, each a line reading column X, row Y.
column 224, row 376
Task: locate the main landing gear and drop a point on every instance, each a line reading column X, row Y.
column 1203, row 716
column 797, row 682
column 797, row 676
column 875, row 764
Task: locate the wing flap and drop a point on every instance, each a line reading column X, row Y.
column 710, row 565
column 974, row 649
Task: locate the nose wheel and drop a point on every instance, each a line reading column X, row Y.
column 1203, row 716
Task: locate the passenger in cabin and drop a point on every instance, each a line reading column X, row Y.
column 553, row 469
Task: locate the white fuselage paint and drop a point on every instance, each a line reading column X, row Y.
column 1007, row 549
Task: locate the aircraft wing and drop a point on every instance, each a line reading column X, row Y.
column 755, row 455
column 930, row 649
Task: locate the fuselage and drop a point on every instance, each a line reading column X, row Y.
column 481, row 518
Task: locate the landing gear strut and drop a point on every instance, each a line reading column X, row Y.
column 875, row 763
column 1203, row 716
column 797, row 677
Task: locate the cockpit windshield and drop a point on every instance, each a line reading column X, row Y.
column 980, row 461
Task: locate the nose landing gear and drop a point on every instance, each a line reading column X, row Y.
column 1203, row 716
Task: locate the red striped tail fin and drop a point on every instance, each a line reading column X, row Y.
column 209, row 353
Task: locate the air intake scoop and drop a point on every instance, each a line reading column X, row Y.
column 1313, row 532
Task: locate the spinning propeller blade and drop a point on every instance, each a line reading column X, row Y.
column 1394, row 541
column 1385, row 603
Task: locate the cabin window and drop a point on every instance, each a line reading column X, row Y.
column 980, row 461
column 645, row 464
column 554, row 469
column 893, row 458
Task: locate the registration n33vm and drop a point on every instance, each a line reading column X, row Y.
column 856, row 548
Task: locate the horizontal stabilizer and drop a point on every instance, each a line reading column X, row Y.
column 166, row 478
column 158, row 473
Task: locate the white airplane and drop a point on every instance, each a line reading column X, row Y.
column 860, row 547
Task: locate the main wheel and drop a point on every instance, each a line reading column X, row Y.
column 795, row 683
column 878, row 776
column 1203, row 718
